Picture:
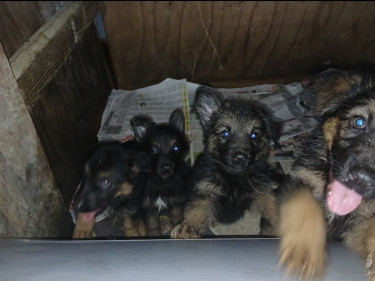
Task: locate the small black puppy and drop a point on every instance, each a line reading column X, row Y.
column 165, row 188
column 232, row 173
column 111, row 182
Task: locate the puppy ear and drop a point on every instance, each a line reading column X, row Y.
column 140, row 124
column 274, row 129
column 330, row 90
column 207, row 101
column 177, row 120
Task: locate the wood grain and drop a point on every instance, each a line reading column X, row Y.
column 68, row 112
column 235, row 40
column 38, row 60
column 31, row 205
column 20, row 19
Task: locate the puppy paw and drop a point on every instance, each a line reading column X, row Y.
column 370, row 267
column 303, row 237
column 83, row 228
column 185, row 231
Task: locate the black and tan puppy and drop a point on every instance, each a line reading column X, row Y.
column 232, row 173
column 165, row 186
column 111, row 182
column 332, row 184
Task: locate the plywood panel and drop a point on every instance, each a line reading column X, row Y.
column 20, row 19
column 31, row 205
column 68, row 112
column 64, row 80
column 235, row 40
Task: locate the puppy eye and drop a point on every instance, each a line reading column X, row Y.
column 155, row 149
column 224, row 134
column 104, row 184
column 358, row 122
column 175, row 148
column 253, row 136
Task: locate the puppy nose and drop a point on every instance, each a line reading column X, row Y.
column 166, row 167
column 362, row 180
column 240, row 158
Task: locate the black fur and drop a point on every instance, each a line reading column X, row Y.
column 232, row 172
column 111, row 182
column 337, row 156
column 165, row 186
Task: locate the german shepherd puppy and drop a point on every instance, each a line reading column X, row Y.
column 111, row 182
column 332, row 184
column 232, row 173
column 165, row 186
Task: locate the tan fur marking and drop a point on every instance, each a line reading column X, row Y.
column 311, row 178
column 83, row 229
column 341, row 85
column 176, row 215
column 103, row 175
column 87, row 170
column 134, row 170
column 362, row 240
column 195, row 221
column 125, row 189
column 142, row 228
column 152, row 225
column 303, row 232
column 330, row 130
column 133, row 228
column 266, row 203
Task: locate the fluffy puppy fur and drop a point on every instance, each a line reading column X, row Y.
column 232, row 173
column 165, row 186
column 332, row 184
column 111, row 182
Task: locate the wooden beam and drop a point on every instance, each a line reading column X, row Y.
column 30, row 202
column 39, row 59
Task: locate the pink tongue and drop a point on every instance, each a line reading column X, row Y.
column 342, row 200
column 88, row 216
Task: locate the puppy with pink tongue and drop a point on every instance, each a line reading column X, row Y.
column 342, row 200
column 331, row 189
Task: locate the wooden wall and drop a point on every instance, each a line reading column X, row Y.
column 235, row 40
column 61, row 84
column 20, row 19
column 68, row 111
column 30, row 204
column 60, row 80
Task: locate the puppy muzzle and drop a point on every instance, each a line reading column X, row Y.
column 240, row 159
column 166, row 169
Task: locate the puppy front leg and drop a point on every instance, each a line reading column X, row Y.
column 303, row 236
column 83, row 228
column 134, row 226
column 176, row 214
column 361, row 239
column 195, row 220
column 152, row 224
column 267, row 204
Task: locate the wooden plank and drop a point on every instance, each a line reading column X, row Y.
column 68, row 112
column 30, row 202
column 20, row 19
column 235, row 40
column 39, row 59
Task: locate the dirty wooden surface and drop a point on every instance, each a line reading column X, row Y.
column 31, row 205
column 235, row 40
